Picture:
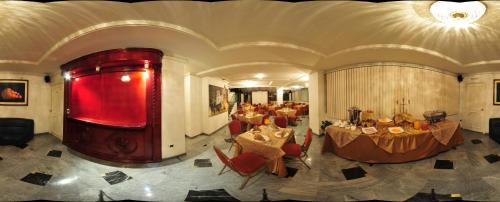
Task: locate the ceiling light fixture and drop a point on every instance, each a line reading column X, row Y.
column 249, row 83
column 125, row 78
column 457, row 14
column 260, row 76
column 305, row 77
column 67, row 76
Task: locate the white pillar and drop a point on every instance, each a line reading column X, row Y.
column 279, row 96
column 316, row 101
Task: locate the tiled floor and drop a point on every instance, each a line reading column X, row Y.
column 79, row 178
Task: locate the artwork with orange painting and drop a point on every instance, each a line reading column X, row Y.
column 13, row 92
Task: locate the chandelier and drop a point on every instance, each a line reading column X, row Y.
column 457, row 14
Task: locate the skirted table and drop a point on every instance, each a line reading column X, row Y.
column 383, row 147
column 286, row 112
column 270, row 150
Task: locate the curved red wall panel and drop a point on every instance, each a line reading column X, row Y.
column 113, row 105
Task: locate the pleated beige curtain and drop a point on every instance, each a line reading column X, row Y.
column 378, row 86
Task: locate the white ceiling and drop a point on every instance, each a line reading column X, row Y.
column 238, row 39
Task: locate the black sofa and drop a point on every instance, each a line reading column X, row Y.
column 495, row 129
column 16, row 131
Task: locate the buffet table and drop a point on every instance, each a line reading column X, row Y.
column 270, row 150
column 384, row 147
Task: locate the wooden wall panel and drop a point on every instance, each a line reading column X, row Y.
column 378, row 86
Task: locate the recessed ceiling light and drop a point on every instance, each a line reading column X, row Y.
column 305, row 77
column 260, row 76
column 249, row 83
column 125, row 78
column 457, row 14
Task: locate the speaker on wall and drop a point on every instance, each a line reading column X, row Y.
column 47, row 78
column 460, row 78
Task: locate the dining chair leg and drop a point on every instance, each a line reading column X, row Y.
column 245, row 182
column 304, row 163
column 231, row 146
column 222, row 170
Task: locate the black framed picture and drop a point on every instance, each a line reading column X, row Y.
column 13, row 92
column 496, row 90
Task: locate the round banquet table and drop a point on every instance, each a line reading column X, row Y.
column 286, row 112
column 383, row 147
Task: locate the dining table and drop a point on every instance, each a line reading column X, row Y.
column 269, row 148
column 252, row 118
column 286, row 112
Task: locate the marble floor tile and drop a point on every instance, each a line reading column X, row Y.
column 77, row 177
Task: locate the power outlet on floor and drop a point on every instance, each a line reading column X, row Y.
column 171, row 145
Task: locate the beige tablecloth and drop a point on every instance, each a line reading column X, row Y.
column 270, row 150
column 286, row 112
column 251, row 118
column 384, row 147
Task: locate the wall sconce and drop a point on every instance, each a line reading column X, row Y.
column 67, row 76
column 125, row 78
column 146, row 64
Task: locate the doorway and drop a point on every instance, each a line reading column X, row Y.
column 473, row 113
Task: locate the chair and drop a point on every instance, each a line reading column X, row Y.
column 272, row 113
column 293, row 119
column 296, row 150
column 234, row 131
column 245, row 164
column 280, row 121
column 244, row 126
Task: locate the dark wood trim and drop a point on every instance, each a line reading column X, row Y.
column 495, row 81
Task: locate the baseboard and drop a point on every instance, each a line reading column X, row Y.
column 216, row 131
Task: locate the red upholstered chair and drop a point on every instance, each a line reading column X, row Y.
column 244, row 126
column 273, row 113
column 280, row 121
column 293, row 119
column 234, row 131
column 296, row 150
column 245, row 164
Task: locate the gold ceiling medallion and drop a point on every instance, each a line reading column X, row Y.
column 457, row 14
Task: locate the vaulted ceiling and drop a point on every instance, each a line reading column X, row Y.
column 232, row 39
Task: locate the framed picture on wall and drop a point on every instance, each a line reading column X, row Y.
column 496, row 92
column 217, row 99
column 13, row 92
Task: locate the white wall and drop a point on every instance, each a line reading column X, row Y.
column 260, row 97
column 193, row 105
column 173, row 110
column 38, row 107
column 211, row 124
column 490, row 110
